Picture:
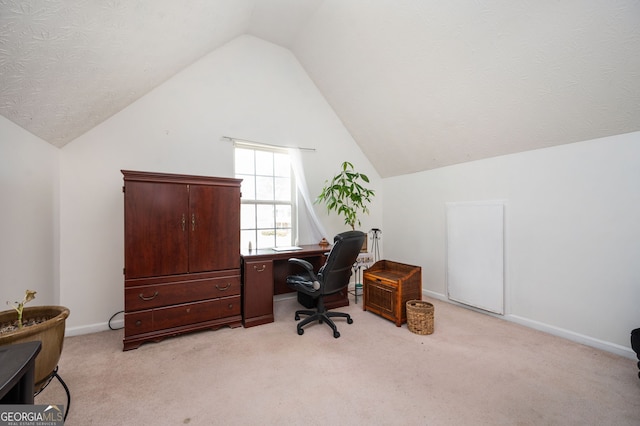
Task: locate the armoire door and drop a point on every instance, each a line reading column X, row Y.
column 214, row 240
column 156, row 229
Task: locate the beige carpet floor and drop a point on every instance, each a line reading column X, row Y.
column 473, row 370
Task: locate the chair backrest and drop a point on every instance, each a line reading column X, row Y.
column 335, row 273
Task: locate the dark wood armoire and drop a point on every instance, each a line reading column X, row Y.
column 182, row 255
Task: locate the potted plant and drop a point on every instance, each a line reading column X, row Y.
column 39, row 323
column 346, row 194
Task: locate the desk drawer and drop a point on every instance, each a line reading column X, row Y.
column 258, row 291
column 157, row 295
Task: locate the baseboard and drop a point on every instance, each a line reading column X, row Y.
column 284, row 296
column 556, row 331
column 93, row 328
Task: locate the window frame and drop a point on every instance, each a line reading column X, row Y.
column 292, row 202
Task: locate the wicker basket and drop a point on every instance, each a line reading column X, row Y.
column 420, row 317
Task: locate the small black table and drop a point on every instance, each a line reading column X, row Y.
column 635, row 344
column 17, row 371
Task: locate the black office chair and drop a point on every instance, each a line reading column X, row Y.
column 331, row 278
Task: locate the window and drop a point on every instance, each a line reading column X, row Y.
column 268, row 193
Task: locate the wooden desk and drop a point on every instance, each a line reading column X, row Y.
column 264, row 274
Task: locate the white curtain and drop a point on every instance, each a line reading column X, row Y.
column 317, row 230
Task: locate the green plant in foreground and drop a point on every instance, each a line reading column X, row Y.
column 29, row 295
column 346, row 195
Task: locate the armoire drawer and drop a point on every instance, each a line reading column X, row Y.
column 192, row 313
column 138, row 322
column 229, row 306
column 149, row 320
column 158, row 295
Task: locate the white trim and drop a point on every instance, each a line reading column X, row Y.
column 93, row 328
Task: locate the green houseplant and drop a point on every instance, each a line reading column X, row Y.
column 29, row 295
column 346, row 194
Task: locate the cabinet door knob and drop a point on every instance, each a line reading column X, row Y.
column 141, row 296
column 261, row 269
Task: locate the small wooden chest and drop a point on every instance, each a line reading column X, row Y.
column 387, row 286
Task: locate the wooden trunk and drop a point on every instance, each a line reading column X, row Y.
column 387, row 286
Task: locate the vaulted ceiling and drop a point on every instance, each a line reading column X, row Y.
column 419, row 84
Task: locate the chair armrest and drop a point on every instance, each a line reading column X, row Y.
column 315, row 282
column 301, row 262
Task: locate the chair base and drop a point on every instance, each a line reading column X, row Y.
column 321, row 317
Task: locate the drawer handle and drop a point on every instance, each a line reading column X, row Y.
column 223, row 288
column 230, row 305
column 261, row 269
column 141, row 296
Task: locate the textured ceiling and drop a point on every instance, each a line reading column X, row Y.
column 419, row 84
column 424, row 84
column 66, row 66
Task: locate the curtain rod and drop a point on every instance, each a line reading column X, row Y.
column 229, row 138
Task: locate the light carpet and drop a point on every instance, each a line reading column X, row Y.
column 473, row 370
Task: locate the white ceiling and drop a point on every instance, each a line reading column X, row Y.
column 419, row 84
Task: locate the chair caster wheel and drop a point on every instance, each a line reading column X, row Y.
column 336, row 334
column 349, row 321
column 297, row 317
column 300, row 331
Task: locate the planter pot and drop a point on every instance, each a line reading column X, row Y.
column 49, row 332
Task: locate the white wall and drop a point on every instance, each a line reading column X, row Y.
column 572, row 233
column 29, row 218
column 248, row 89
